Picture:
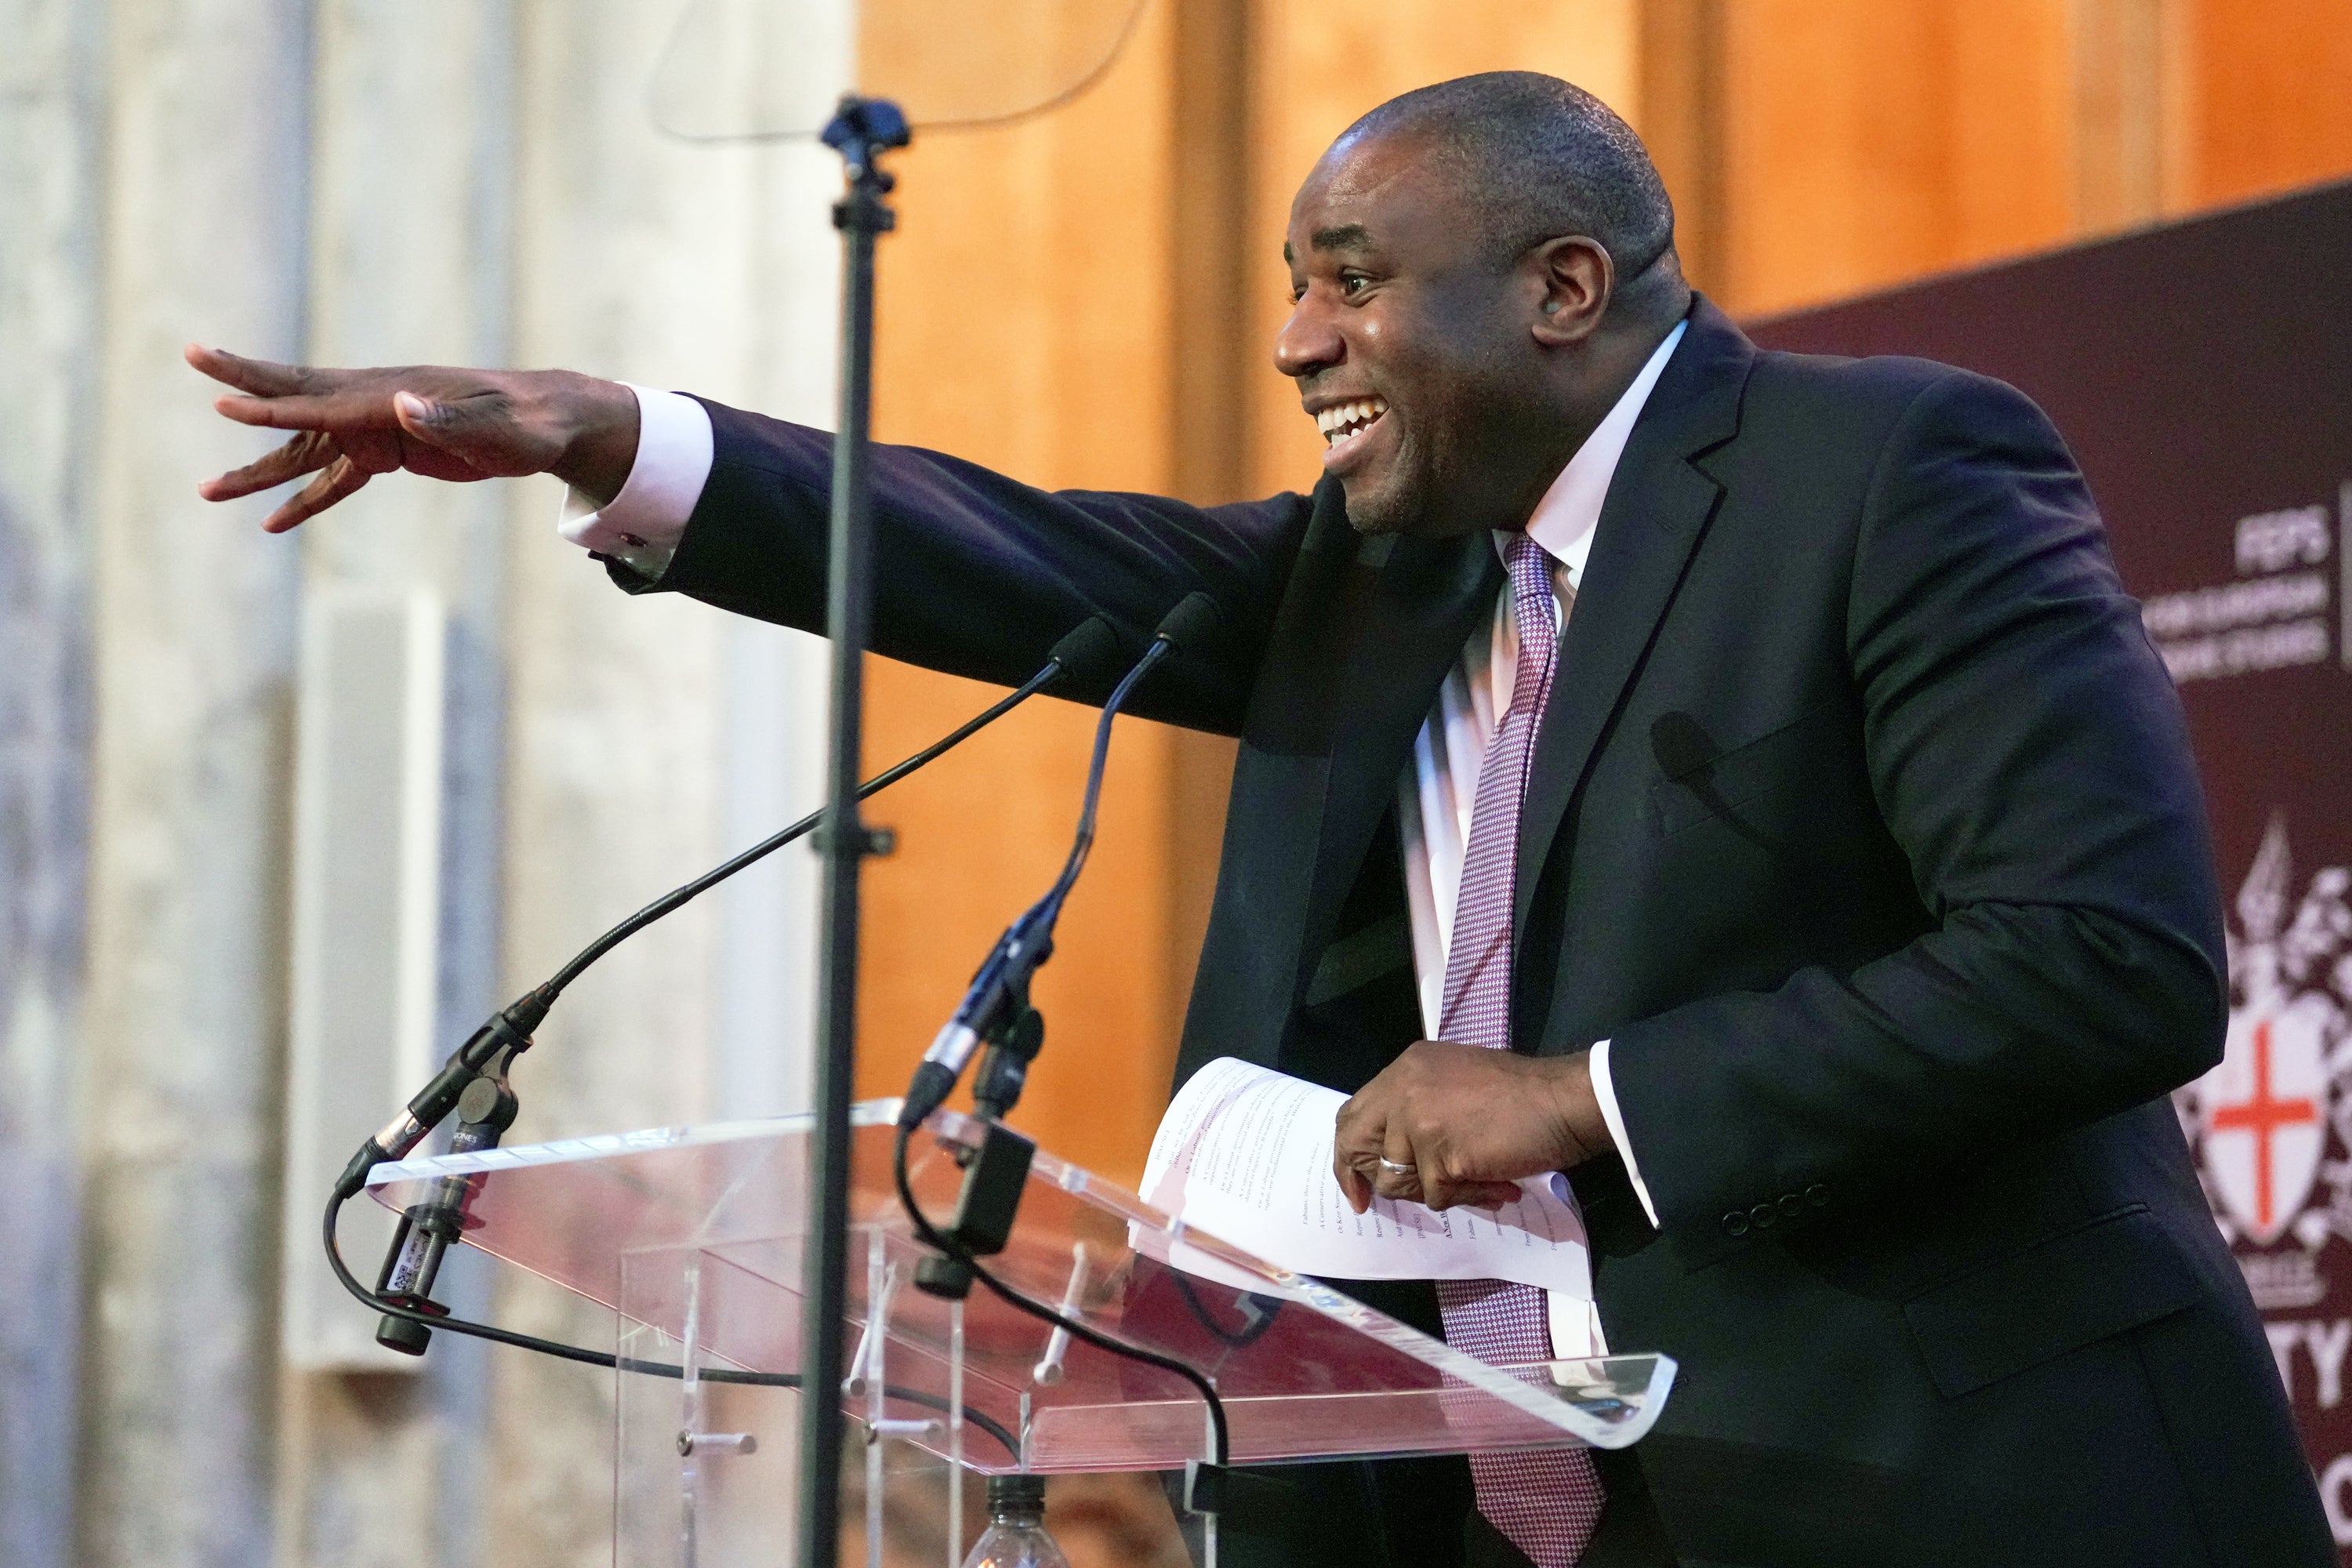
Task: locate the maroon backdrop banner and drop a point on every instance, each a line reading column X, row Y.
column 2202, row 372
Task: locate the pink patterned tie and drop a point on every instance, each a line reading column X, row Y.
column 1544, row 1501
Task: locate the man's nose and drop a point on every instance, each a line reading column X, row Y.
column 1308, row 343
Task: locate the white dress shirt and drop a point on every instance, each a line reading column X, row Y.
column 642, row 525
column 1441, row 783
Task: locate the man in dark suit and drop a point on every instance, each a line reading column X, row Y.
column 1843, row 893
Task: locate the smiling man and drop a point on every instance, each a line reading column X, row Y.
column 1735, row 779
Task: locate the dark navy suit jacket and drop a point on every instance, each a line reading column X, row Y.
column 1862, row 820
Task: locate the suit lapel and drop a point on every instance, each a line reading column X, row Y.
column 1657, row 506
column 1366, row 631
column 1425, row 599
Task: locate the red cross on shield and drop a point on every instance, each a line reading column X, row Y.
column 2265, row 1109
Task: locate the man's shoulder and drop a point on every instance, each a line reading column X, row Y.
column 1835, row 414
column 1828, row 395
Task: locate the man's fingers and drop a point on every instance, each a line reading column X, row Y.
column 1396, row 1174
column 341, row 478
column 1357, row 1133
column 350, row 409
column 302, row 455
column 1365, row 1178
column 1471, row 1194
column 260, row 377
column 1399, row 1186
column 1358, row 1176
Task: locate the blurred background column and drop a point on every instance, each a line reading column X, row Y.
column 649, row 736
column 411, row 175
column 49, row 133
column 204, row 236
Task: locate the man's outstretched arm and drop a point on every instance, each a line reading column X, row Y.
column 439, row 421
column 977, row 573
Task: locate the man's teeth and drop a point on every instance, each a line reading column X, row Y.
column 1342, row 420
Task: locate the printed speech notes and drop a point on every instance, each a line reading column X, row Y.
column 1244, row 1153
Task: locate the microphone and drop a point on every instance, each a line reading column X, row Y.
column 1087, row 652
column 428, row 1230
column 995, row 1007
column 1191, row 624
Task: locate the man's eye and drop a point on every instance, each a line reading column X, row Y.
column 1352, row 284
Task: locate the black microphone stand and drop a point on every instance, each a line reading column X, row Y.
column 862, row 129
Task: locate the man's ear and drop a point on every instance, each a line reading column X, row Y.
column 1577, row 279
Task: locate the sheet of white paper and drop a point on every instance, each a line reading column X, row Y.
column 1244, row 1153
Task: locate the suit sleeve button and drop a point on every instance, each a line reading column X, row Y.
column 1762, row 1215
column 1818, row 1196
column 1734, row 1224
column 1792, row 1204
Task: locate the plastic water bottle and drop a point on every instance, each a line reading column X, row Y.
column 1015, row 1537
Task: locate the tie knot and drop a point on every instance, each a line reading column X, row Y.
column 1531, row 594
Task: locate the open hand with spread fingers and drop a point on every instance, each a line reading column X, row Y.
column 438, row 421
column 1446, row 1124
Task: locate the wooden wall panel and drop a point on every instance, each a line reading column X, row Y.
column 1680, row 99
column 1210, row 332
column 1865, row 143
column 1314, row 71
column 1025, row 303
column 2271, row 103
column 2130, row 86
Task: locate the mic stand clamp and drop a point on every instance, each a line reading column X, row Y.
column 996, row 1171
column 506, row 1035
column 1004, row 1070
column 861, row 131
column 486, row 1109
column 865, row 839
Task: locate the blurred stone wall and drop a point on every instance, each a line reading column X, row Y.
column 351, row 182
column 49, row 237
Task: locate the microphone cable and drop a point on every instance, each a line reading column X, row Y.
column 999, row 994
column 1085, row 647
column 999, row 990
column 1221, row 1441
column 557, row 1348
column 1083, row 651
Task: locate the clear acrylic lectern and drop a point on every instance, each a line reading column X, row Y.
column 692, row 1236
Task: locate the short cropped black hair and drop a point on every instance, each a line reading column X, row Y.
column 1539, row 158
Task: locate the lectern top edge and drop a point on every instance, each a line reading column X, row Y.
column 1305, row 1371
column 603, row 1145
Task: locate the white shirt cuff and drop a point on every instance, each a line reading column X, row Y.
column 1605, row 1092
column 641, row 526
